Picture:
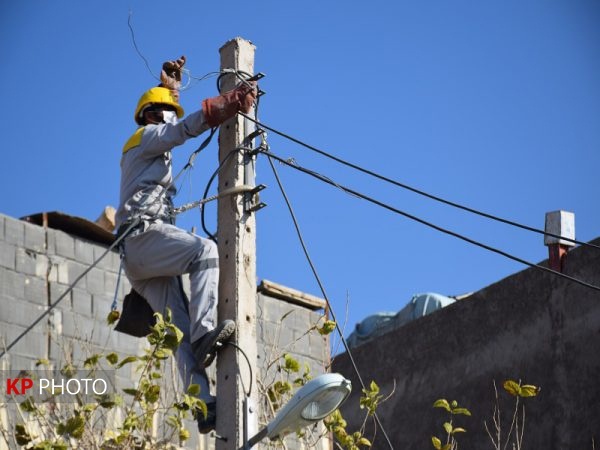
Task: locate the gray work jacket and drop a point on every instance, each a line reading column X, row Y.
column 146, row 169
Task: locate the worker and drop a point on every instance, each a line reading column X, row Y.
column 156, row 252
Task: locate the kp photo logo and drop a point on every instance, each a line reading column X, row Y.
column 56, row 386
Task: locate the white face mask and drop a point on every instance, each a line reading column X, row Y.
column 170, row 117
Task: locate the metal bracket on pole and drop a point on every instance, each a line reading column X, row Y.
column 255, row 204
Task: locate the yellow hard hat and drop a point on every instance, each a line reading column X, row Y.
column 157, row 95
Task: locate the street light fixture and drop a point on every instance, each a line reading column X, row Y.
column 314, row 401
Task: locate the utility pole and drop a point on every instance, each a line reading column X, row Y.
column 237, row 262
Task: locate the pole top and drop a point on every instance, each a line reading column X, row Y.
column 561, row 223
column 238, row 42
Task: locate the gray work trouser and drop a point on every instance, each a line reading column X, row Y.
column 153, row 261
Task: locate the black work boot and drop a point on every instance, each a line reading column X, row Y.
column 208, row 423
column 205, row 349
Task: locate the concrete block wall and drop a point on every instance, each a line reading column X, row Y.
column 530, row 326
column 38, row 265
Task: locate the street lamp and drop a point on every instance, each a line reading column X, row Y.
column 314, row 401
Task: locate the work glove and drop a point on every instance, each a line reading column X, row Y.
column 218, row 109
column 170, row 76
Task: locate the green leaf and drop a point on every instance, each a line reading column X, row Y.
column 364, row 442
column 112, row 358
column 459, row 430
column 327, row 328
column 291, row 364
column 454, row 404
column 69, row 370
column 448, row 427
column 374, row 387
column 127, row 360
column 75, row 426
column 163, row 353
column 42, row 362
column 442, row 403
column 92, row 361
column 193, row 389
column 21, row 434
column 529, row 390
column 113, row 316
column 173, row 337
column 184, row 434
column 463, row 411
column 28, row 405
column 152, row 393
column 133, row 392
column 512, row 387
column 436, row 442
column 173, row 421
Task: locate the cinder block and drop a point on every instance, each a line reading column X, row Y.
column 33, row 344
column 2, row 220
column 82, row 302
column 110, row 261
column 7, row 255
column 59, row 293
column 20, row 362
column 75, row 270
column 64, row 244
column 12, row 284
column 110, row 282
column 95, row 281
column 59, row 270
column 55, row 321
column 62, row 349
column 31, row 263
column 84, row 251
column 128, row 345
column 35, row 238
column 14, row 231
column 36, row 290
column 101, row 306
column 20, row 312
column 77, row 326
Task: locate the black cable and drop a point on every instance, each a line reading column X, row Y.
column 233, row 344
column 210, row 235
column 133, row 224
column 136, row 47
column 322, row 288
column 418, row 191
column 426, row 223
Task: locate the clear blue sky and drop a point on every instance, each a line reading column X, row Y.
column 492, row 104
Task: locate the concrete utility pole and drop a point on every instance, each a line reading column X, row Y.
column 237, row 256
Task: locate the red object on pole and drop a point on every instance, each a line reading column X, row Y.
column 557, row 254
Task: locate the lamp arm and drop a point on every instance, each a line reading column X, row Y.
column 256, row 438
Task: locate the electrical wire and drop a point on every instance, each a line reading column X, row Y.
column 136, row 46
column 322, row 288
column 210, row 235
column 419, row 191
column 233, row 344
column 133, row 224
column 426, row 223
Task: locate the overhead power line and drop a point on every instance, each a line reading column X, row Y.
column 419, row 191
column 322, row 288
column 424, row 222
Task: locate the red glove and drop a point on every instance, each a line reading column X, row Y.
column 218, row 109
